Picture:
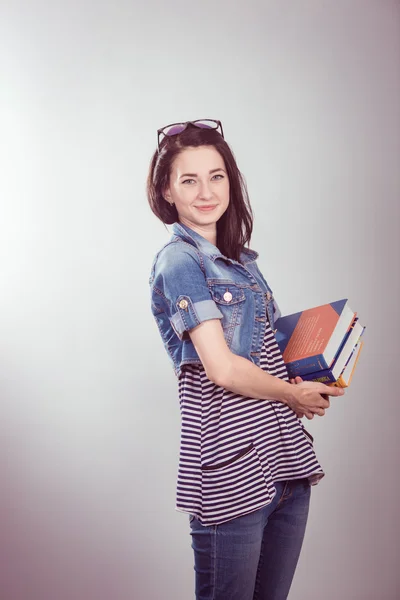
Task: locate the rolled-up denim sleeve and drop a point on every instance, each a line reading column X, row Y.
column 180, row 286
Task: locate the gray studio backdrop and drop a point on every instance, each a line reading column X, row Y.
column 309, row 95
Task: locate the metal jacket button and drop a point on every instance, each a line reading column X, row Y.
column 183, row 304
column 227, row 296
column 269, row 295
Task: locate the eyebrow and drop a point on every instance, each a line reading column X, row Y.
column 210, row 172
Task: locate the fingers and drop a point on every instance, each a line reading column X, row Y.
column 319, row 411
column 295, row 380
column 325, row 401
column 315, row 411
column 323, row 389
column 311, row 412
column 333, row 391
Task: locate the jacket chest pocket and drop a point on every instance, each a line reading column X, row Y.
column 230, row 299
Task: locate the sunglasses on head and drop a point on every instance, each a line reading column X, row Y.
column 176, row 128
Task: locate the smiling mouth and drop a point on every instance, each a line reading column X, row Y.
column 206, row 208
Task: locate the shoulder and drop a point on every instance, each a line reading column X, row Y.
column 176, row 262
column 174, row 255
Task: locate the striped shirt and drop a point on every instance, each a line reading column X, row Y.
column 234, row 447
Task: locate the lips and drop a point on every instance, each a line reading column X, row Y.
column 206, row 208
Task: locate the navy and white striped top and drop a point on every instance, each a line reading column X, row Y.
column 233, row 447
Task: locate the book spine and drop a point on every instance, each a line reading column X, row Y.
column 325, row 376
column 306, row 365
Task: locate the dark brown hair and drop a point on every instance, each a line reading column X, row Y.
column 235, row 227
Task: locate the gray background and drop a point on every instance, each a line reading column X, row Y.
column 309, row 96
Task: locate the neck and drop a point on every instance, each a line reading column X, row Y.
column 209, row 232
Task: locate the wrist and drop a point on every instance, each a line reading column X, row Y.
column 290, row 394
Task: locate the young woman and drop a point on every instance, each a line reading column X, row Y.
column 246, row 461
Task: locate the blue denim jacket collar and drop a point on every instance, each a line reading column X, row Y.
column 194, row 238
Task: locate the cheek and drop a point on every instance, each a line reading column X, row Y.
column 184, row 196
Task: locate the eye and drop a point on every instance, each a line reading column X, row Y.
column 187, row 180
column 218, row 175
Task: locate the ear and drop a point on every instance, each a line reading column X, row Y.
column 167, row 194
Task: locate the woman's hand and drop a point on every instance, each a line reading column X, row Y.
column 312, row 398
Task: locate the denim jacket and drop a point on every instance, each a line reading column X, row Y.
column 191, row 281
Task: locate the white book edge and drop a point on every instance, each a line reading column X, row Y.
column 347, row 349
column 345, row 320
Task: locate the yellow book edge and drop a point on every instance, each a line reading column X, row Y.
column 341, row 382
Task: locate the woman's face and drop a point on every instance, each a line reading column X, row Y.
column 199, row 187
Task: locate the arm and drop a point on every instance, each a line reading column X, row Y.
column 241, row 376
column 178, row 275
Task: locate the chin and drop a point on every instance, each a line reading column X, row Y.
column 209, row 220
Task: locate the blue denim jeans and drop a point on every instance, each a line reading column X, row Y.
column 253, row 557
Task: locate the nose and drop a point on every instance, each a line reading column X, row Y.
column 205, row 191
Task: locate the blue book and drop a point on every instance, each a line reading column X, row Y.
column 311, row 339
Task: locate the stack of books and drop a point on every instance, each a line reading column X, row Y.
column 321, row 343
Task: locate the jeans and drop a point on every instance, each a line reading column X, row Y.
column 252, row 557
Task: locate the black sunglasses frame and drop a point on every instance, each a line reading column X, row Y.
column 185, row 124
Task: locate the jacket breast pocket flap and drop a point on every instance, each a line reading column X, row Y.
column 227, row 294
